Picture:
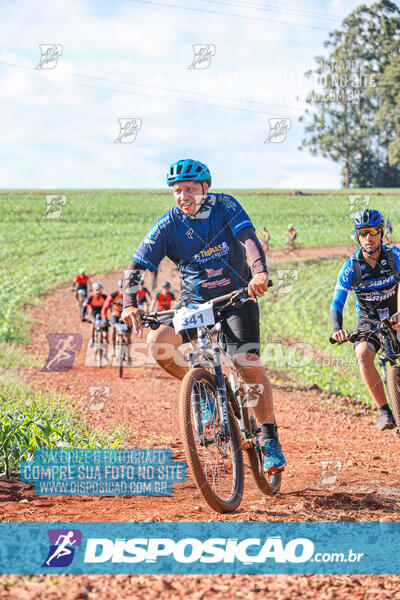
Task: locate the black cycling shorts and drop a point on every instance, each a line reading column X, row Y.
column 240, row 328
column 114, row 319
column 97, row 317
column 371, row 338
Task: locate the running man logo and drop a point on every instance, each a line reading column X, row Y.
column 54, row 205
column 330, row 470
column 128, row 129
column 252, row 394
column 278, row 129
column 203, row 54
column 50, row 54
column 357, row 202
column 63, row 347
column 98, row 397
column 286, row 280
column 63, row 543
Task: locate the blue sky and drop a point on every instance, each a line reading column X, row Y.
column 130, row 59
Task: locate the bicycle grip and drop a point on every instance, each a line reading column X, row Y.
column 270, row 283
column 332, row 340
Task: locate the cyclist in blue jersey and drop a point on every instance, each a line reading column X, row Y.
column 373, row 273
column 207, row 236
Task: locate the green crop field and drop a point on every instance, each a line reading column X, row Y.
column 99, row 229
column 296, row 327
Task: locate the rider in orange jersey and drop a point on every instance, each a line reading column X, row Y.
column 114, row 303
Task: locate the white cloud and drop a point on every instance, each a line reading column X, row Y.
column 58, row 126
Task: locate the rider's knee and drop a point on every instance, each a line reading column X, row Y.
column 248, row 364
column 365, row 355
column 162, row 343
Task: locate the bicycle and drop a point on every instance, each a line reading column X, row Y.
column 215, row 453
column 99, row 347
column 290, row 245
column 389, row 353
column 120, row 344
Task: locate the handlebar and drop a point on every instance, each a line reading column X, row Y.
column 357, row 334
column 232, row 298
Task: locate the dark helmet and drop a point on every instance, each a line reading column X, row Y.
column 166, row 284
column 188, row 170
column 369, row 217
column 141, row 281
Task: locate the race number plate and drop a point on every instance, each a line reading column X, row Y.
column 187, row 318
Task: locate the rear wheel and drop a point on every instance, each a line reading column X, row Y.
column 98, row 347
column 215, row 461
column 393, row 388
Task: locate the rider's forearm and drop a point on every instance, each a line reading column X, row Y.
column 254, row 250
column 133, row 274
column 336, row 318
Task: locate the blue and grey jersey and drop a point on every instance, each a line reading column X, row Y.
column 376, row 292
column 210, row 259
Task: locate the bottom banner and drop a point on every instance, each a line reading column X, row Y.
column 196, row 548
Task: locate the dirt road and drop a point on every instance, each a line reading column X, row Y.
column 313, row 428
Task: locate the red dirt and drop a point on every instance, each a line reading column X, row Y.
column 313, row 427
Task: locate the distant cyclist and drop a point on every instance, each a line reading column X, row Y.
column 208, row 237
column 290, row 236
column 165, row 299
column 80, row 286
column 265, row 239
column 373, row 273
column 388, row 228
column 114, row 303
column 95, row 301
column 142, row 295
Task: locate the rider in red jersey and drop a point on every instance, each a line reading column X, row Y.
column 80, row 286
column 164, row 299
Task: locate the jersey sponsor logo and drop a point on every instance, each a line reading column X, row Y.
column 156, row 230
column 345, row 276
column 376, row 296
column 378, row 282
column 383, row 313
column 228, row 202
column 213, row 252
column 216, row 283
column 214, row 272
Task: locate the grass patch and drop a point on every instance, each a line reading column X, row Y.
column 33, row 420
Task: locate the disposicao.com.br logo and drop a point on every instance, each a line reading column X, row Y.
column 211, row 550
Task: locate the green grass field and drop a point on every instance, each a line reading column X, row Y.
column 303, row 316
column 99, row 230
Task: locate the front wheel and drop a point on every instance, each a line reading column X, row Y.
column 215, row 461
column 268, row 483
column 98, row 347
column 393, row 388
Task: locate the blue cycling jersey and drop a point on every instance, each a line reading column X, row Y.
column 376, row 292
column 211, row 261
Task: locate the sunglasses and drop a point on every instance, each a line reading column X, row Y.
column 373, row 231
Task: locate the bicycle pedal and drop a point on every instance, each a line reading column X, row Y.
column 246, row 445
column 274, row 470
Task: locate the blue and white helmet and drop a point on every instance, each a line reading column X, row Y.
column 369, row 217
column 188, row 170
